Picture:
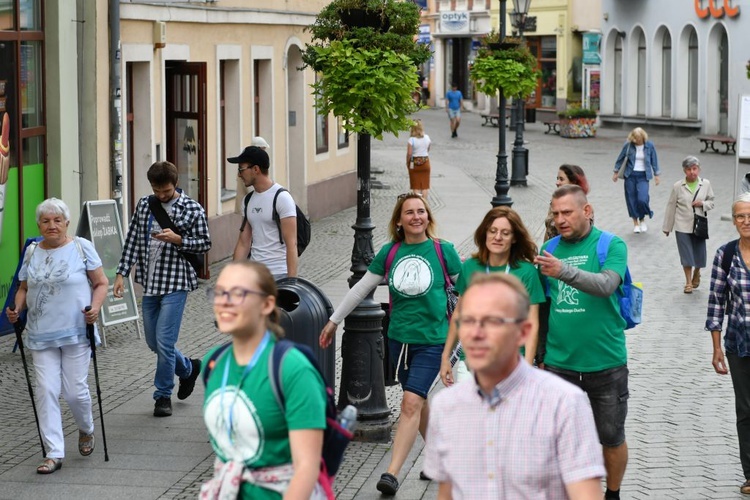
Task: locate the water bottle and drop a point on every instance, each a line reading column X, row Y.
column 348, row 418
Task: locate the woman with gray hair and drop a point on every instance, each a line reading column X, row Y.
column 54, row 286
column 689, row 196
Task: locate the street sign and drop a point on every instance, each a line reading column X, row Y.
column 529, row 25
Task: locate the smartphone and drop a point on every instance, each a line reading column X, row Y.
column 154, row 232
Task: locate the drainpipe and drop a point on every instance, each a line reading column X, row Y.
column 115, row 100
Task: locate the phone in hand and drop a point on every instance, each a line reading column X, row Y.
column 154, row 232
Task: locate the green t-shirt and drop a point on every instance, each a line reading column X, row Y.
column 261, row 431
column 586, row 333
column 417, row 289
column 524, row 271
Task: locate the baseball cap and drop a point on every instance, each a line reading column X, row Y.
column 252, row 155
column 259, row 142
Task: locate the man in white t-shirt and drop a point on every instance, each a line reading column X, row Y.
column 259, row 231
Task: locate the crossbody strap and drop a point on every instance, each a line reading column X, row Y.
column 161, row 215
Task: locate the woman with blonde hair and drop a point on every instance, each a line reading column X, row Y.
column 639, row 165
column 418, row 159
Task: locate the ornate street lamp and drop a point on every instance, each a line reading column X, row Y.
column 520, row 154
column 502, row 185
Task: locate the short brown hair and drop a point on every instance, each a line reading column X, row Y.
column 571, row 189
column 162, row 173
column 524, row 248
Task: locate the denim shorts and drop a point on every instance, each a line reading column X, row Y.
column 419, row 366
column 454, row 113
column 608, row 394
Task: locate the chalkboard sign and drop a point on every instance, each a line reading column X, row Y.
column 100, row 223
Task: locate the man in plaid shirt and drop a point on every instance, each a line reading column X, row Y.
column 511, row 431
column 166, row 277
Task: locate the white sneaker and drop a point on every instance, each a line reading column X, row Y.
column 644, row 227
column 636, row 229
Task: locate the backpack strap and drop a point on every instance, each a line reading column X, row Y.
column 439, row 250
column 551, row 246
column 77, row 242
column 388, row 261
column 245, row 201
column 275, row 214
column 726, row 260
column 30, row 251
column 211, row 363
column 275, row 361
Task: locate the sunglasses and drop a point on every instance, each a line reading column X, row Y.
column 410, row 194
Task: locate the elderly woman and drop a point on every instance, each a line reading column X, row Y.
column 689, row 196
column 418, row 159
column 54, row 286
column 640, row 165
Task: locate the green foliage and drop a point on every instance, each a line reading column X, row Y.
column 512, row 70
column 367, row 74
column 370, row 89
column 572, row 113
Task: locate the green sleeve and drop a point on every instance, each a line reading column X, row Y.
column 304, row 393
column 617, row 257
column 377, row 266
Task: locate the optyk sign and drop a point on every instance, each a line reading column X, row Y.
column 454, row 22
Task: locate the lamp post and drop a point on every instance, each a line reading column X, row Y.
column 502, row 185
column 520, row 154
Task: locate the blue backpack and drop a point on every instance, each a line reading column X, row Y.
column 629, row 295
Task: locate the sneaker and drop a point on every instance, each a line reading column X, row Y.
column 644, row 227
column 454, row 134
column 637, row 229
column 388, row 484
column 188, row 384
column 163, row 407
column 424, row 477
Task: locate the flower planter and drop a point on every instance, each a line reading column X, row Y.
column 577, row 128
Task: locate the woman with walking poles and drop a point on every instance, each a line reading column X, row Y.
column 415, row 264
column 54, row 287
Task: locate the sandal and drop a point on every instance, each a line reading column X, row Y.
column 688, row 288
column 388, row 484
column 86, row 443
column 745, row 488
column 696, row 278
column 49, row 465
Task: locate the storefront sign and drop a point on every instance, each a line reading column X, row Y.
column 715, row 10
column 454, row 22
column 424, row 34
column 591, row 43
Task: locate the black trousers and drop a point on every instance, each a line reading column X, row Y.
column 739, row 368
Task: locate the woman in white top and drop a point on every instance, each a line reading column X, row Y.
column 641, row 165
column 418, row 159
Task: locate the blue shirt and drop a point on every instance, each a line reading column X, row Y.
column 454, row 98
column 728, row 295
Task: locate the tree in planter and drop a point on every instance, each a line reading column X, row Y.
column 367, row 75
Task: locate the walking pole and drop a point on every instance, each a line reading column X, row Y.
column 92, row 343
column 19, row 340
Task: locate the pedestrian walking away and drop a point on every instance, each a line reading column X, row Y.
column 59, row 277
column 536, row 432
column 690, row 196
column 586, row 338
column 455, row 104
column 729, row 297
column 504, row 246
column 261, row 237
column 158, row 255
column 637, row 164
column 262, row 451
column 414, row 269
column 418, row 159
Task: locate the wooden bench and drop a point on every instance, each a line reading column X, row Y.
column 552, row 126
column 493, row 119
column 709, row 140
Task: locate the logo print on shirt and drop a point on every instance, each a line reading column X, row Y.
column 248, row 437
column 412, row 276
column 257, row 210
column 567, row 294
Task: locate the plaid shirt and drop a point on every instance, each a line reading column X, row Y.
column 728, row 296
column 172, row 272
column 540, row 437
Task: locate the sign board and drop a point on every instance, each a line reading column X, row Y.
column 743, row 131
column 591, row 43
column 454, row 21
column 100, row 223
column 529, row 24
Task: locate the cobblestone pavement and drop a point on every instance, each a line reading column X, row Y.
column 681, row 420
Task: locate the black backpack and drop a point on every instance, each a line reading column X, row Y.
column 335, row 437
column 304, row 229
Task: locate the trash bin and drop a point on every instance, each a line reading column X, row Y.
column 530, row 115
column 304, row 312
column 389, row 368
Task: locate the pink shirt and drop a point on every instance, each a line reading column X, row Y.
column 539, row 436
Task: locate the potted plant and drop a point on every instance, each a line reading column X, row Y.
column 504, row 66
column 577, row 122
column 368, row 70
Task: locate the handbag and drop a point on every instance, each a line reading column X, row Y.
column 700, row 222
column 623, row 164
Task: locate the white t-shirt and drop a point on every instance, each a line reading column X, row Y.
column 420, row 146
column 640, row 164
column 156, row 247
column 266, row 247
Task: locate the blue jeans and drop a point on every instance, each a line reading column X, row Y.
column 636, row 196
column 162, row 315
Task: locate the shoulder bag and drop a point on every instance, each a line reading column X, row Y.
column 700, row 222
column 623, row 164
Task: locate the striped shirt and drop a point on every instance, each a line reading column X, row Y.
column 172, row 272
column 538, row 438
column 727, row 297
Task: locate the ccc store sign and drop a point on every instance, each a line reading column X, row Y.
column 714, row 9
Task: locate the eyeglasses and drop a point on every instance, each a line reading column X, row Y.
column 234, row 296
column 487, row 323
column 493, row 233
column 741, row 217
column 242, row 169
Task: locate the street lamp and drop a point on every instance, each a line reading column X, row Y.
column 502, row 185
column 520, row 154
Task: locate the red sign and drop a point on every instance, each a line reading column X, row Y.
column 716, row 11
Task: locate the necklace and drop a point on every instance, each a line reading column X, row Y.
column 50, row 252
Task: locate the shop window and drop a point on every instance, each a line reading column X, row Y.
column 31, row 15
column 321, row 130
column 617, row 98
column 7, row 14
column 641, row 76
column 31, row 84
column 666, row 74
column 693, row 76
column 544, row 49
column 343, row 135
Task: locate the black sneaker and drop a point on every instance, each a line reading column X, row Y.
column 388, row 484
column 163, row 407
column 424, row 477
column 188, row 384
